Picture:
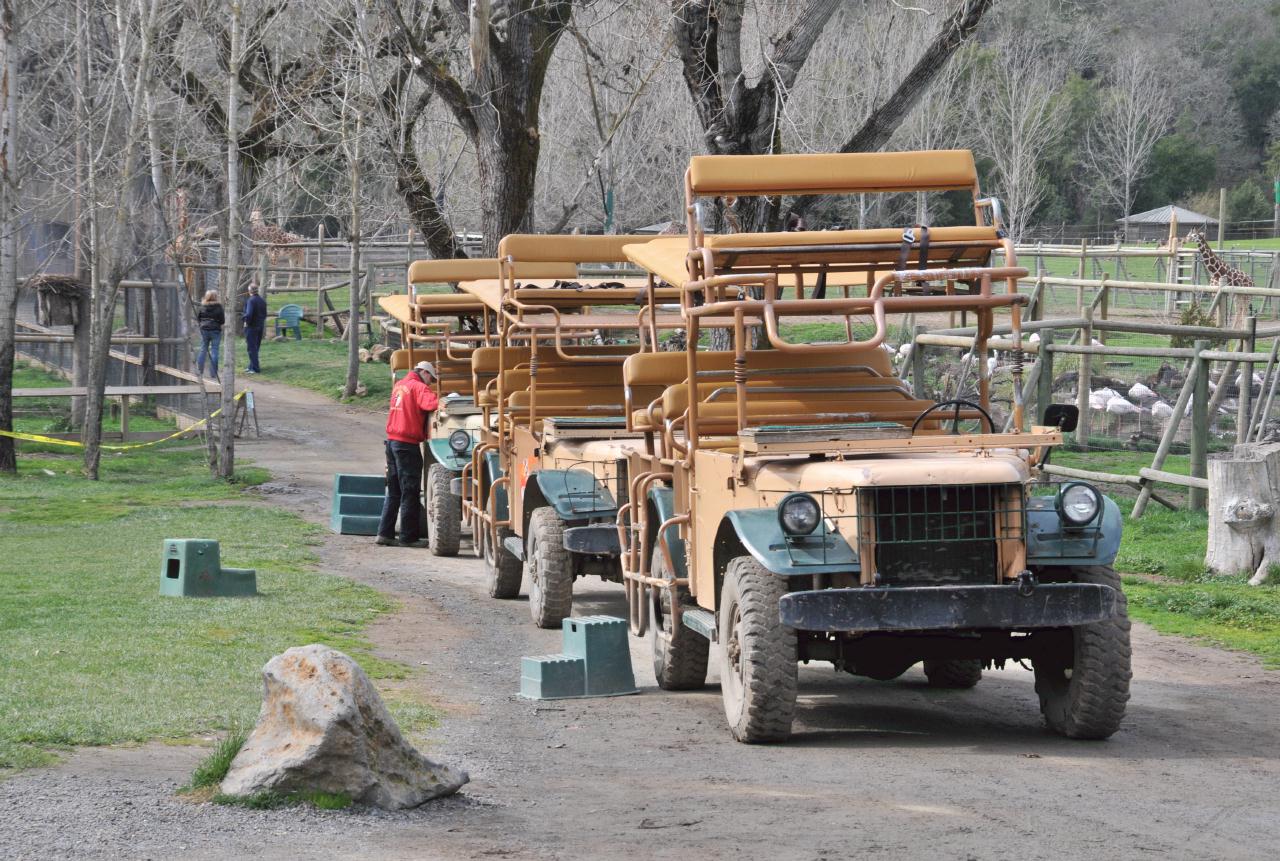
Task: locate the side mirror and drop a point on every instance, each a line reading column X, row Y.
column 1064, row 417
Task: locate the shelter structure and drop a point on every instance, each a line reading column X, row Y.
column 1153, row 225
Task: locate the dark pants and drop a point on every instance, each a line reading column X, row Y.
column 210, row 346
column 404, row 483
column 252, row 341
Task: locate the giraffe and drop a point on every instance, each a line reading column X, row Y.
column 184, row 250
column 279, row 244
column 1221, row 273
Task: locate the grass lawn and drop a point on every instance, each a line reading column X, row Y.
column 93, row 655
column 319, row 365
column 1162, row 558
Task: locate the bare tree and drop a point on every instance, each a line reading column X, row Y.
column 8, row 222
column 1016, row 114
column 1136, row 111
column 487, row 64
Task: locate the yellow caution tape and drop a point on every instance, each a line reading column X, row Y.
column 32, row 437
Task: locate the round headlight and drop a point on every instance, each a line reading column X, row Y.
column 799, row 514
column 459, row 441
column 1079, row 503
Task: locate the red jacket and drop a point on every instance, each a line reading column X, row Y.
column 411, row 400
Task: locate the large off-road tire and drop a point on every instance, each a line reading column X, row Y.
column 444, row 512
column 503, row 571
column 679, row 653
column 757, row 654
column 954, row 673
column 1083, row 688
column 550, row 569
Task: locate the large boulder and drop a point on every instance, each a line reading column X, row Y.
column 324, row 728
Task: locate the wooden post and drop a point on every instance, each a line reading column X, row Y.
column 124, row 418
column 917, row 365
column 1200, row 427
column 370, row 277
column 1166, row 441
column 1044, row 388
column 1104, row 295
column 1080, row 273
column 1244, row 491
column 319, row 279
column 1083, row 381
column 1222, row 216
column 1245, row 396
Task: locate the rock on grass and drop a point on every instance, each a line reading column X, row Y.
column 324, row 728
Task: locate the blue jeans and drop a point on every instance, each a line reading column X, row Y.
column 210, row 345
column 404, row 484
column 252, row 341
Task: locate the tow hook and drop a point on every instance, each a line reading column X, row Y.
column 1027, row 583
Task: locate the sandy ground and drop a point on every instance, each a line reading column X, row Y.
column 888, row 769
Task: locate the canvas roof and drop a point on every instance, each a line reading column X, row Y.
column 1164, row 214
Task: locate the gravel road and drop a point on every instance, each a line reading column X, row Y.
column 887, row 769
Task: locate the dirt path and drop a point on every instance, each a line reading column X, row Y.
column 891, row 769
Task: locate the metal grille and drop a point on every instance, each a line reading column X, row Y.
column 940, row 535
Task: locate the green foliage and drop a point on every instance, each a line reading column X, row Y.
column 1248, row 202
column 214, row 767
column 1255, row 83
column 1194, row 314
column 1180, row 165
column 1225, row 611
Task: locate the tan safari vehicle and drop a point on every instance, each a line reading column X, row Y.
column 799, row 503
column 445, row 329
column 542, row 490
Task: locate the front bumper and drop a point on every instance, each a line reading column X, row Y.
column 932, row 608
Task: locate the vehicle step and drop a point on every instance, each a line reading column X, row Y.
column 515, row 546
column 702, row 622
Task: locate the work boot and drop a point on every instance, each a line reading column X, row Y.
column 421, row 542
column 384, row 541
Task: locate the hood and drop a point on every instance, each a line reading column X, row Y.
column 994, row 466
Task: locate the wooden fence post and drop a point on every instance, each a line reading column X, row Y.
column 319, row 279
column 1080, row 273
column 1083, row 379
column 1200, row 427
column 918, row 365
column 1166, row 441
column 1044, row 387
column 1244, row 397
column 370, row 278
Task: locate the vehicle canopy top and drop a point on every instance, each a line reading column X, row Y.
column 831, row 173
column 453, row 271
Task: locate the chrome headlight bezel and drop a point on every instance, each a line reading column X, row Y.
column 1070, row 498
column 459, row 442
column 799, row 514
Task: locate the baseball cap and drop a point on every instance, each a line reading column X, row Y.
column 426, row 366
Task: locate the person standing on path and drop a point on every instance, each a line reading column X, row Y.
column 412, row 403
column 255, row 324
column 210, row 319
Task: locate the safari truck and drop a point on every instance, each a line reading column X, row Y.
column 445, row 329
column 800, row 503
column 542, row 493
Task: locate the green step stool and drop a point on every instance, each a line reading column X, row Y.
column 596, row 662
column 192, row 568
column 357, row 504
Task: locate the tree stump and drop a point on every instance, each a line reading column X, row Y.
column 1244, row 497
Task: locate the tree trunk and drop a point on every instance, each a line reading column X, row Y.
column 507, row 169
column 1244, row 497
column 8, row 225
column 226, row 421
column 353, row 316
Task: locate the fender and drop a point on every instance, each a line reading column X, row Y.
column 663, row 500
column 440, row 452
column 574, row 494
column 1049, row 544
column 493, row 472
column 820, row 553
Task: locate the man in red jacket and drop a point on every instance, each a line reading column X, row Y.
column 412, row 403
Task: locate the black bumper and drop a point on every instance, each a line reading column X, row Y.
column 594, row 538
column 932, row 608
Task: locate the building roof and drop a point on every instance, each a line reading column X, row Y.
column 1164, row 214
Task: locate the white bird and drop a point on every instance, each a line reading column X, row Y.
column 1105, row 394
column 1257, row 379
column 1034, row 339
column 1140, row 393
column 1120, row 408
column 1095, row 342
column 888, row 348
column 1161, row 410
column 1097, row 402
column 992, row 363
column 903, row 350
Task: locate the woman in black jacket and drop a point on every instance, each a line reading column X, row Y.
column 210, row 317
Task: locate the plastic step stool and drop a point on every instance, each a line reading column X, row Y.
column 357, row 504
column 596, row 662
column 192, row 568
